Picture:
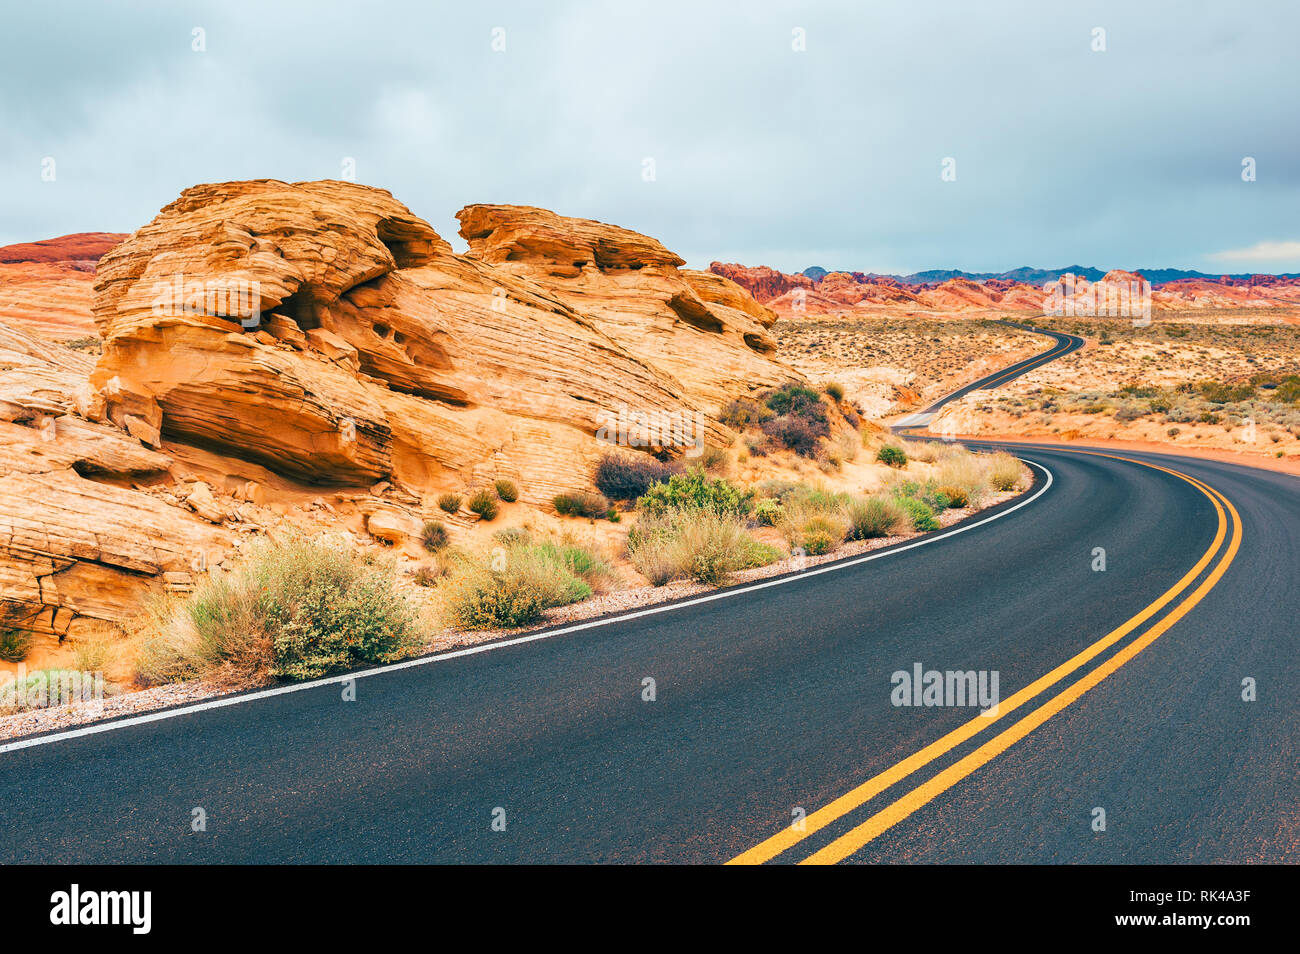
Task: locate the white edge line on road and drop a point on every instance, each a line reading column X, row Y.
column 221, row 703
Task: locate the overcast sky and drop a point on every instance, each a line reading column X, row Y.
column 762, row 153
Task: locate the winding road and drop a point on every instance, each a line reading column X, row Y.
column 773, row 733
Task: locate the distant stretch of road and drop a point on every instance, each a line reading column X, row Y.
column 1063, row 344
column 1146, row 713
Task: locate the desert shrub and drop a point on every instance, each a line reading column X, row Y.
column 768, row 512
column 622, row 477
column 295, row 609
column 1174, row 431
column 427, row 574
column 835, row 390
column 801, row 419
column 780, row 490
column 484, row 503
column 91, row 653
column 947, row 496
column 581, row 504
column 695, row 490
column 694, row 543
column 793, row 399
column 878, row 516
column 813, row 513
column 579, row 560
column 796, row 433
column 919, row 513
column 743, row 413
column 1004, row 471
column 844, row 447
column 715, row 460
column 449, row 502
column 434, row 536
column 512, row 536
column 487, row 592
column 928, row 452
column 1129, row 412
column 506, row 490
column 15, row 645
column 817, row 542
column 893, row 455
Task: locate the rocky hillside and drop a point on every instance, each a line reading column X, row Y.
column 48, row 286
column 315, row 354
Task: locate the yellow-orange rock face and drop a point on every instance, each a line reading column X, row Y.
column 320, row 334
column 374, row 351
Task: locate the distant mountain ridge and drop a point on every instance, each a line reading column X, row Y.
column 1040, row 276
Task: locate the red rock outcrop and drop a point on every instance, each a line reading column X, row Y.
column 48, row 286
column 84, row 247
column 764, row 283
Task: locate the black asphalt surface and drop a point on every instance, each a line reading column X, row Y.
column 767, row 701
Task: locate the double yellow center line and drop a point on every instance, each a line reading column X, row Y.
column 853, row 840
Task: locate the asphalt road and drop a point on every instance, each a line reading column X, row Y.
column 776, row 701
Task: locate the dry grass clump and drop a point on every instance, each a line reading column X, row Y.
column 694, row 543
column 514, row 585
column 877, row 516
column 963, row 479
column 815, row 521
column 1005, row 472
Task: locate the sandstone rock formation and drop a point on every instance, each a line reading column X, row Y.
column 266, row 338
column 77, row 542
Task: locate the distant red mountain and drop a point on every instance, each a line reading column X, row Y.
column 818, row 292
column 78, row 247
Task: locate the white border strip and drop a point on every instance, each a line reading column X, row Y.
column 221, row 703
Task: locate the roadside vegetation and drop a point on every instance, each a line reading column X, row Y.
column 514, row 583
column 295, row 609
column 817, row 425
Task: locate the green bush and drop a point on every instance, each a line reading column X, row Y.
column 484, row 503
column 449, row 503
column 503, row 593
column 434, row 536
column 507, row 490
column 836, row 391
column 294, row 610
column 769, row 512
column 919, row 512
column 892, row 455
column 792, row 399
column 581, row 504
column 879, row 516
column 694, row 543
column 817, row 541
column 14, row 645
column 694, row 490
